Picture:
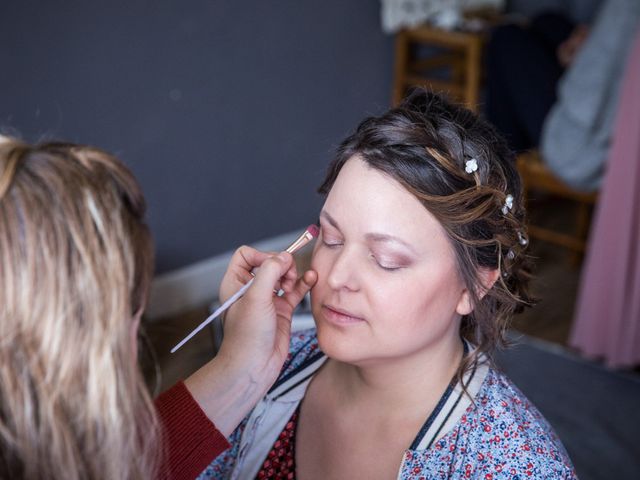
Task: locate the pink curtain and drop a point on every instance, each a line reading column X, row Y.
column 607, row 319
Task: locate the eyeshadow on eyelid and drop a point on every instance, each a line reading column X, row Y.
column 394, row 261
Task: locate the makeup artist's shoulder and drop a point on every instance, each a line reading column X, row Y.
column 302, row 347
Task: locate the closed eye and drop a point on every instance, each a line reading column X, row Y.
column 329, row 239
column 331, row 243
column 387, row 268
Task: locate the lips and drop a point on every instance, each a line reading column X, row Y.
column 340, row 316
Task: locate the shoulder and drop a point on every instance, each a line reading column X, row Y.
column 502, row 435
column 508, row 432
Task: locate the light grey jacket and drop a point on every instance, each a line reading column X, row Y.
column 578, row 130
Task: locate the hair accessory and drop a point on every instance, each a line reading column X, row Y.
column 522, row 239
column 508, row 204
column 471, row 166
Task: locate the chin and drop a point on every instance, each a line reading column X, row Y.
column 337, row 344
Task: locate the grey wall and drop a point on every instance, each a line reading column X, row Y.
column 227, row 111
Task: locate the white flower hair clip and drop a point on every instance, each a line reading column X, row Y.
column 471, row 166
column 508, row 204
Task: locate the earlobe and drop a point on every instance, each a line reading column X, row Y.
column 487, row 278
column 465, row 305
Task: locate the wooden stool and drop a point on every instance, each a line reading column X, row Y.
column 536, row 176
column 461, row 54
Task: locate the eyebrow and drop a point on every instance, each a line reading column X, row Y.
column 373, row 237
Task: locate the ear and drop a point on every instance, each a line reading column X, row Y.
column 488, row 277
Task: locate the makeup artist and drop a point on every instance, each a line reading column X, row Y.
column 76, row 265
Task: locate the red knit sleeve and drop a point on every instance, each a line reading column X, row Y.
column 191, row 440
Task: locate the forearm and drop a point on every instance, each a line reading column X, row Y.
column 256, row 342
column 225, row 393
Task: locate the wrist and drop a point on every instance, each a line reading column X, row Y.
column 227, row 392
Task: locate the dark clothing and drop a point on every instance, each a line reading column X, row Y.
column 522, row 74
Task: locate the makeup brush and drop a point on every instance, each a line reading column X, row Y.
column 309, row 234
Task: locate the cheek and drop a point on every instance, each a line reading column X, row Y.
column 403, row 300
column 419, row 304
column 322, row 261
column 315, row 256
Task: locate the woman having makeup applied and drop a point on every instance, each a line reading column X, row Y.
column 76, row 262
column 420, row 265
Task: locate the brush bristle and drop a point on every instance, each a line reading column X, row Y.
column 313, row 230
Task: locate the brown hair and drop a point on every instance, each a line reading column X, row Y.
column 425, row 145
column 76, row 262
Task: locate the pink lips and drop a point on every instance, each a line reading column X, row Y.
column 340, row 317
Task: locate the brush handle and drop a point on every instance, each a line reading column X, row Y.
column 309, row 234
column 219, row 311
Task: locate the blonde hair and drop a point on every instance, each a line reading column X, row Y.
column 76, row 263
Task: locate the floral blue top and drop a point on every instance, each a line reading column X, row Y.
column 500, row 435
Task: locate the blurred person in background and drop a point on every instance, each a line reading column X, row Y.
column 554, row 85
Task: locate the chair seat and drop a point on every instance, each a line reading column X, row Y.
column 536, row 176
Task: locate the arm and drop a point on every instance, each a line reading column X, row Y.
column 256, row 337
column 215, row 399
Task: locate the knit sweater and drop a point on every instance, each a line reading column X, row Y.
column 191, row 440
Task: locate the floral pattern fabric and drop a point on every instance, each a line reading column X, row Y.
column 501, row 435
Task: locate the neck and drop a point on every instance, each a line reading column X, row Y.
column 420, row 377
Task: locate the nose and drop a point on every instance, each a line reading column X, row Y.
column 343, row 274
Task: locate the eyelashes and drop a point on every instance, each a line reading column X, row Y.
column 387, row 269
column 333, row 244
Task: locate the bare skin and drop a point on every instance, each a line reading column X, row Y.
column 257, row 333
column 387, row 305
column 349, row 430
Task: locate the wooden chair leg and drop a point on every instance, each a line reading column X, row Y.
column 583, row 220
column 472, row 86
column 401, row 67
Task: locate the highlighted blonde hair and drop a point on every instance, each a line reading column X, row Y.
column 75, row 267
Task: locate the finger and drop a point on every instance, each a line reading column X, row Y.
column 302, row 286
column 247, row 258
column 290, row 278
column 270, row 274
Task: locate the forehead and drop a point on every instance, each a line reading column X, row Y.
column 367, row 199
